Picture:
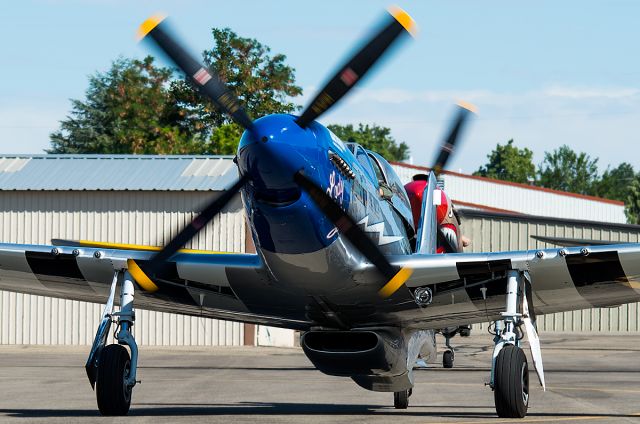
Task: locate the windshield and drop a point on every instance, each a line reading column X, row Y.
column 391, row 179
column 364, row 161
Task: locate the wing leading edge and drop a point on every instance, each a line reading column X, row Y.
column 193, row 282
column 471, row 287
column 465, row 288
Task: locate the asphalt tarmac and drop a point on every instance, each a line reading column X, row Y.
column 591, row 379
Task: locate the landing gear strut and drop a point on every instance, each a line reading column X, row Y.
column 509, row 369
column 111, row 371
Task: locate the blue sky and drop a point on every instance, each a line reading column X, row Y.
column 545, row 73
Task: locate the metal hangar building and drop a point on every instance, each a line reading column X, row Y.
column 147, row 199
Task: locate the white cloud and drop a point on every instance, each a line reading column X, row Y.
column 396, row 96
column 601, row 121
column 591, row 93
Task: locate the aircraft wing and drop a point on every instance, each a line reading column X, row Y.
column 471, row 287
column 466, row 287
column 193, row 283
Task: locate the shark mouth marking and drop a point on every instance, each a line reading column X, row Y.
column 378, row 229
column 448, row 230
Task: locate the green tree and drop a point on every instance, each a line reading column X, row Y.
column 508, row 163
column 632, row 202
column 563, row 169
column 263, row 82
column 224, row 139
column 614, row 183
column 137, row 107
column 129, row 109
column 375, row 138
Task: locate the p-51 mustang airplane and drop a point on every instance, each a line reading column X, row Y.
column 369, row 270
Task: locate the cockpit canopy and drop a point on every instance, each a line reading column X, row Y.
column 382, row 174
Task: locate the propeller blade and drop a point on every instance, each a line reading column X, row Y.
column 209, row 85
column 358, row 66
column 188, row 232
column 395, row 276
column 448, row 146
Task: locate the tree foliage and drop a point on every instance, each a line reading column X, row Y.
column 373, row 137
column 263, row 82
column 509, row 163
column 128, row 109
column 563, row 169
column 632, row 202
column 138, row 107
column 614, row 183
column 224, row 139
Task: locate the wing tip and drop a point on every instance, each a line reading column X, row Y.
column 404, row 19
column 65, row 242
column 148, row 25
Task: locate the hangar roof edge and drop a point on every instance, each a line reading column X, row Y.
column 510, row 183
column 84, row 172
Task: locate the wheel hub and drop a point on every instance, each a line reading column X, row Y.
column 524, row 381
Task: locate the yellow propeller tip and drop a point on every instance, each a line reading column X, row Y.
column 147, row 26
column 395, row 283
column 404, row 19
column 141, row 278
column 469, row 106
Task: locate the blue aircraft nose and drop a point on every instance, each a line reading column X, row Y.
column 282, row 148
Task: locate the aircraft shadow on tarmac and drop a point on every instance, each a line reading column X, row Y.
column 275, row 408
column 466, row 369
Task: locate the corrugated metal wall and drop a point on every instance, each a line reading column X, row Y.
column 494, row 233
column 152, row 218
column 138, row 217
column 528, row 200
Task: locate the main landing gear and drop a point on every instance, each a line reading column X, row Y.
column 111, row 371
column 401, row 399
column 509, row 369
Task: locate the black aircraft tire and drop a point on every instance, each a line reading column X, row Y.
column 511, row 383
column 114, row 397
column 447, row 359
column 401, row 399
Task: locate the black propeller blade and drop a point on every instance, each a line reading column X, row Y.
column 213, row 88
column 447, row 148
column 449, row 144
column 394, row 275
column 157, row 261
column 207, row 84
column 358, row 66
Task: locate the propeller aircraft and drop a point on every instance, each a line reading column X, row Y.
column 367, row 269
